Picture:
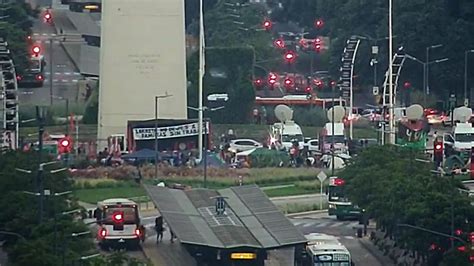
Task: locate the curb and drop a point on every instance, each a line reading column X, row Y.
column 295, row 214
column 297, row 196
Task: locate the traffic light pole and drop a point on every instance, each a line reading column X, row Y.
column 39, row 178
column 51, row 71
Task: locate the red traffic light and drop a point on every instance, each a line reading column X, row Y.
column 117, row 217
column 288, row 83
column 267, row 24
column 458, row 232
column 318, row 83
column 290, row 57
column 471, row 237
column 279, row 43
column 308, row 89
column 65, row 145
column 36, row 50
column 258, row 82
column 319, row 23
column 406, row 85
column 47, row 16
column 272, row 76
column 317, row 47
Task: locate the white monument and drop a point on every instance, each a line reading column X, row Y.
column 142, row 56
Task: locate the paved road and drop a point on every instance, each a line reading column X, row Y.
column 345, row 232
column 308, row 199
column 64, row 75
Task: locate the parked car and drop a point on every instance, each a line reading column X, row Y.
column 434, row 116
column 313, row 145
column 238, row 145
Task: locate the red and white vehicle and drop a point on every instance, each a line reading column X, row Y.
column 434, row 116
column 119, row 223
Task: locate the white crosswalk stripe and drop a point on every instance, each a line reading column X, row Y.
column 323, row 224
column 298, row 223
column 308, row 224
column 338, row 224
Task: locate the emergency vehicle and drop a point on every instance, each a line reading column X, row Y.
column 119, row 223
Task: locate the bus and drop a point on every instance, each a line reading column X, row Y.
column 339, row 204
column 34, row 75
column 413, row 134
column 119, row 224
column 326, row 250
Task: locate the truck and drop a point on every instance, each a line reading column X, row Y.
column 458, row 145
column 327, row 137
column 323, row 249
column 119, row 224
column 287, row 133
column 412, row 133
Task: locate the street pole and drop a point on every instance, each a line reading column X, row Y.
column 205, row 155
column 39, row 178
column 390, row 70
column 67, row 115
column 465, row 75
column 51, row 70
column 427, row 73
column 156, row 136
column 332, row 128
column 200, row 79
column 452, row 212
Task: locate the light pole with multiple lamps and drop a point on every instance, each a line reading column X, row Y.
column 466, row 99
column 425, row 71
column 157, row 98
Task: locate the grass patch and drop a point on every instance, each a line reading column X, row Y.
column 93, row 195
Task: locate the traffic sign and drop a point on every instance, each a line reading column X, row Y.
column 322, row 176
column 466, row 102
column 375, row 90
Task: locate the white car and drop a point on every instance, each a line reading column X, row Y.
column 238, row 145
column 313, row 145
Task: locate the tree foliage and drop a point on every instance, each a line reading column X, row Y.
column 15, row 28
column 395, row 189
column 417, row 25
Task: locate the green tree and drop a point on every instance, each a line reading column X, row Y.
column 396, row 189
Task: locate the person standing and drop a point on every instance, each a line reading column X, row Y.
column 159, row 228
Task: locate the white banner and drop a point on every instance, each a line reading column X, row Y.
column 179, row 131
column 9, row 140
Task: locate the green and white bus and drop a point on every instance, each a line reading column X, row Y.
column 326, row 250
column 339, row 204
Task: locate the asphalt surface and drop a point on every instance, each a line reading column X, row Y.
column 63, row 74
column 345, row 231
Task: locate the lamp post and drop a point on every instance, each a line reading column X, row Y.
column 426, row 75
column 390, row 77
column 202, row 65
column 466, row 101
column 157, row 98
column 425, row 67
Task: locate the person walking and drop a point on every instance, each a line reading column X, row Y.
column 173, row 236
column 159, row 228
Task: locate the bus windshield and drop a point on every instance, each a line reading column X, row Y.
column 336, row 193
column 130, row 215
column 332, row 263
column 35, row 64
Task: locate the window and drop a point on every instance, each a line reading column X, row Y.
column 290, row 138
column 130, row 215
column 464, row 137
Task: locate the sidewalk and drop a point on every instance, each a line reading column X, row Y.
column 165, row 252
column 377, row 253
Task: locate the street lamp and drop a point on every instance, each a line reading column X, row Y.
column 427, row 75
column 156, row 129
column 425, row 67
column 466, row 101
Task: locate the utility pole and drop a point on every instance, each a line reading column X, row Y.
column 51, row 70
column 202, row 65
column 390, row 73
column 332, row 128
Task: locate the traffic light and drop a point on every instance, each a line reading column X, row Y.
column 471, row 238
column 333, row 83
column 279, row 43
column 48, row 17
column 319, row 23
column 267, row 24
column 288, row 83
column 65, row 145
column 308, row 89
column 35, row 50
column 317, row 45
column 406, row 85
column 289, row 57
column 438, row 152
column 272, row 78
column 258, row 83
column 318, row 83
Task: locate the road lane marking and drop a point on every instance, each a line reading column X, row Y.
column 55, row 80
column 57, row 73
column 36, row 34
column 44, row 34
column 297, row 223
column 77, row 73
column 64, row 80
column 74, row 80
column 67, row 73
column 337, row 224
column 322, row 224
column 349, row 237
column 308, row 224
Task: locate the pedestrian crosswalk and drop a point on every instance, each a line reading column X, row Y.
column 324, row 223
